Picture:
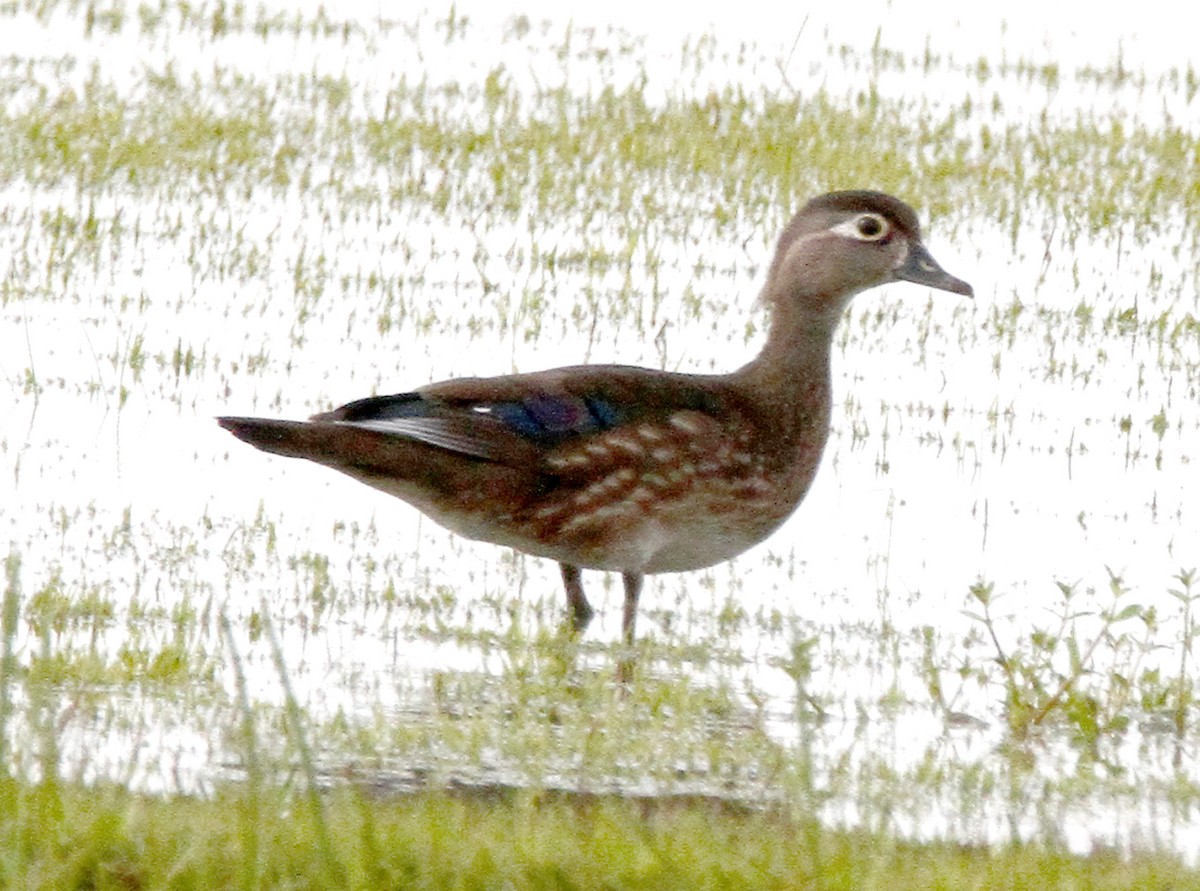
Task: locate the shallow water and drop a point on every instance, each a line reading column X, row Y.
column 1037, row 435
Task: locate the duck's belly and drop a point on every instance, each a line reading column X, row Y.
column 637, row 535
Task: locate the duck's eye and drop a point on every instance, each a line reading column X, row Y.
column 870, row 227
column 866, row 226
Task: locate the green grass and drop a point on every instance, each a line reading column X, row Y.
column 54, row 836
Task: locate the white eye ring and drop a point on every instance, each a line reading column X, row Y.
column 865, row 227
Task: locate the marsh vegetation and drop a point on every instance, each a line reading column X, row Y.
column 979, row 630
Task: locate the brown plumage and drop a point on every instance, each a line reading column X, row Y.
column 631, row 469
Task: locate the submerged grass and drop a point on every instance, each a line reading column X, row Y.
column 493, row 147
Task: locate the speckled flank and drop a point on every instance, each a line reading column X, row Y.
column 657, row 475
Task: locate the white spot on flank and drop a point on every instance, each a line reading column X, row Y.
column 650, row 433
column 625, row 444
column 687, row 423
column 610, row 510
column 575, row 522
column 599, row 515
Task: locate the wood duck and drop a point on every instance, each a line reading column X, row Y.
column 628, row 469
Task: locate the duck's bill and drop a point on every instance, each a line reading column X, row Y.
column 921, row 269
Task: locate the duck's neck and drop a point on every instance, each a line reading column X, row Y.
column 789, row 380
column 796, row 353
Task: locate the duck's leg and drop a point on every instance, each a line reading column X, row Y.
column 581, row 610
column 633, row 590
